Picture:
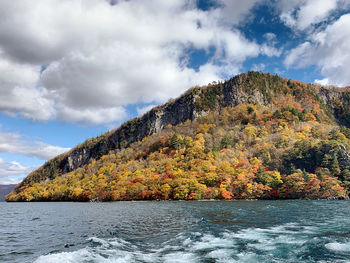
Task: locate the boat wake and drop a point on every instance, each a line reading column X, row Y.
column 286, row 243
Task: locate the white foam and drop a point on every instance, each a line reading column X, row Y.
column 186, row 242
column 211, row 242
column 100, row 241
column 338, row 246
column 179, row 257
column 248, row 234
column 250, row 257
column 221, row 254
column 107, row 251
column 258, row 244
column 82, row 255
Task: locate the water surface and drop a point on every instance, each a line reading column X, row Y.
column 236, row 231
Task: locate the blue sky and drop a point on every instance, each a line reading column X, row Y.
column 73, row 69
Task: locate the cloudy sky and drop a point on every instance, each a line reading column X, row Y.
column 73, row 69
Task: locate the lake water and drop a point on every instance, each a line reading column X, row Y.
column 235, row 231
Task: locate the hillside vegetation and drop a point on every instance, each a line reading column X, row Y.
column 256, row 136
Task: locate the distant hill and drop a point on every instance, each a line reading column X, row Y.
column 5, row 190
column 255, row 136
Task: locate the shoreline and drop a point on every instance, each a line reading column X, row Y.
column 200, row 200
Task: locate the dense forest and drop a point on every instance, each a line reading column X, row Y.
column 293, row 145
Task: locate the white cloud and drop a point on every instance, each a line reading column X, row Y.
column 100, row 57
column 301, row 14
column 323, row 82
column 143, row 110
column 258, row 67
column 329, row 50
column 235, row 11
column 270, row 36
column 92, row 115
column 18, row 92
column 268, row 47
column 13, row 172
column 14, row 143
column 270, row 51
column 298, row 56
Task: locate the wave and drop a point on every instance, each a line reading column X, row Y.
column 286, row 243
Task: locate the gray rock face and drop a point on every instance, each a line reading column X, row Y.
column 328, row 95
column 337, row 101
column 234, row 94
column 231, row 93
column 344, row 157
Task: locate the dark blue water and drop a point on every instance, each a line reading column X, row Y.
column 237, row 231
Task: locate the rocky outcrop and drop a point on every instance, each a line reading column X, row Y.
column 194, row 103
column 337, row 100
column 344, row 156
column 234, row 93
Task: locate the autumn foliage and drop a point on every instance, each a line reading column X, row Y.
column 291, row 149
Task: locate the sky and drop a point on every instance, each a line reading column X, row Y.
column 74, row 69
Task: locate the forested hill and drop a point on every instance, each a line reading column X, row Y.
column 253, row 136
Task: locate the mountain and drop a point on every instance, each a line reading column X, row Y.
column 254, row 136
column 5, row 190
